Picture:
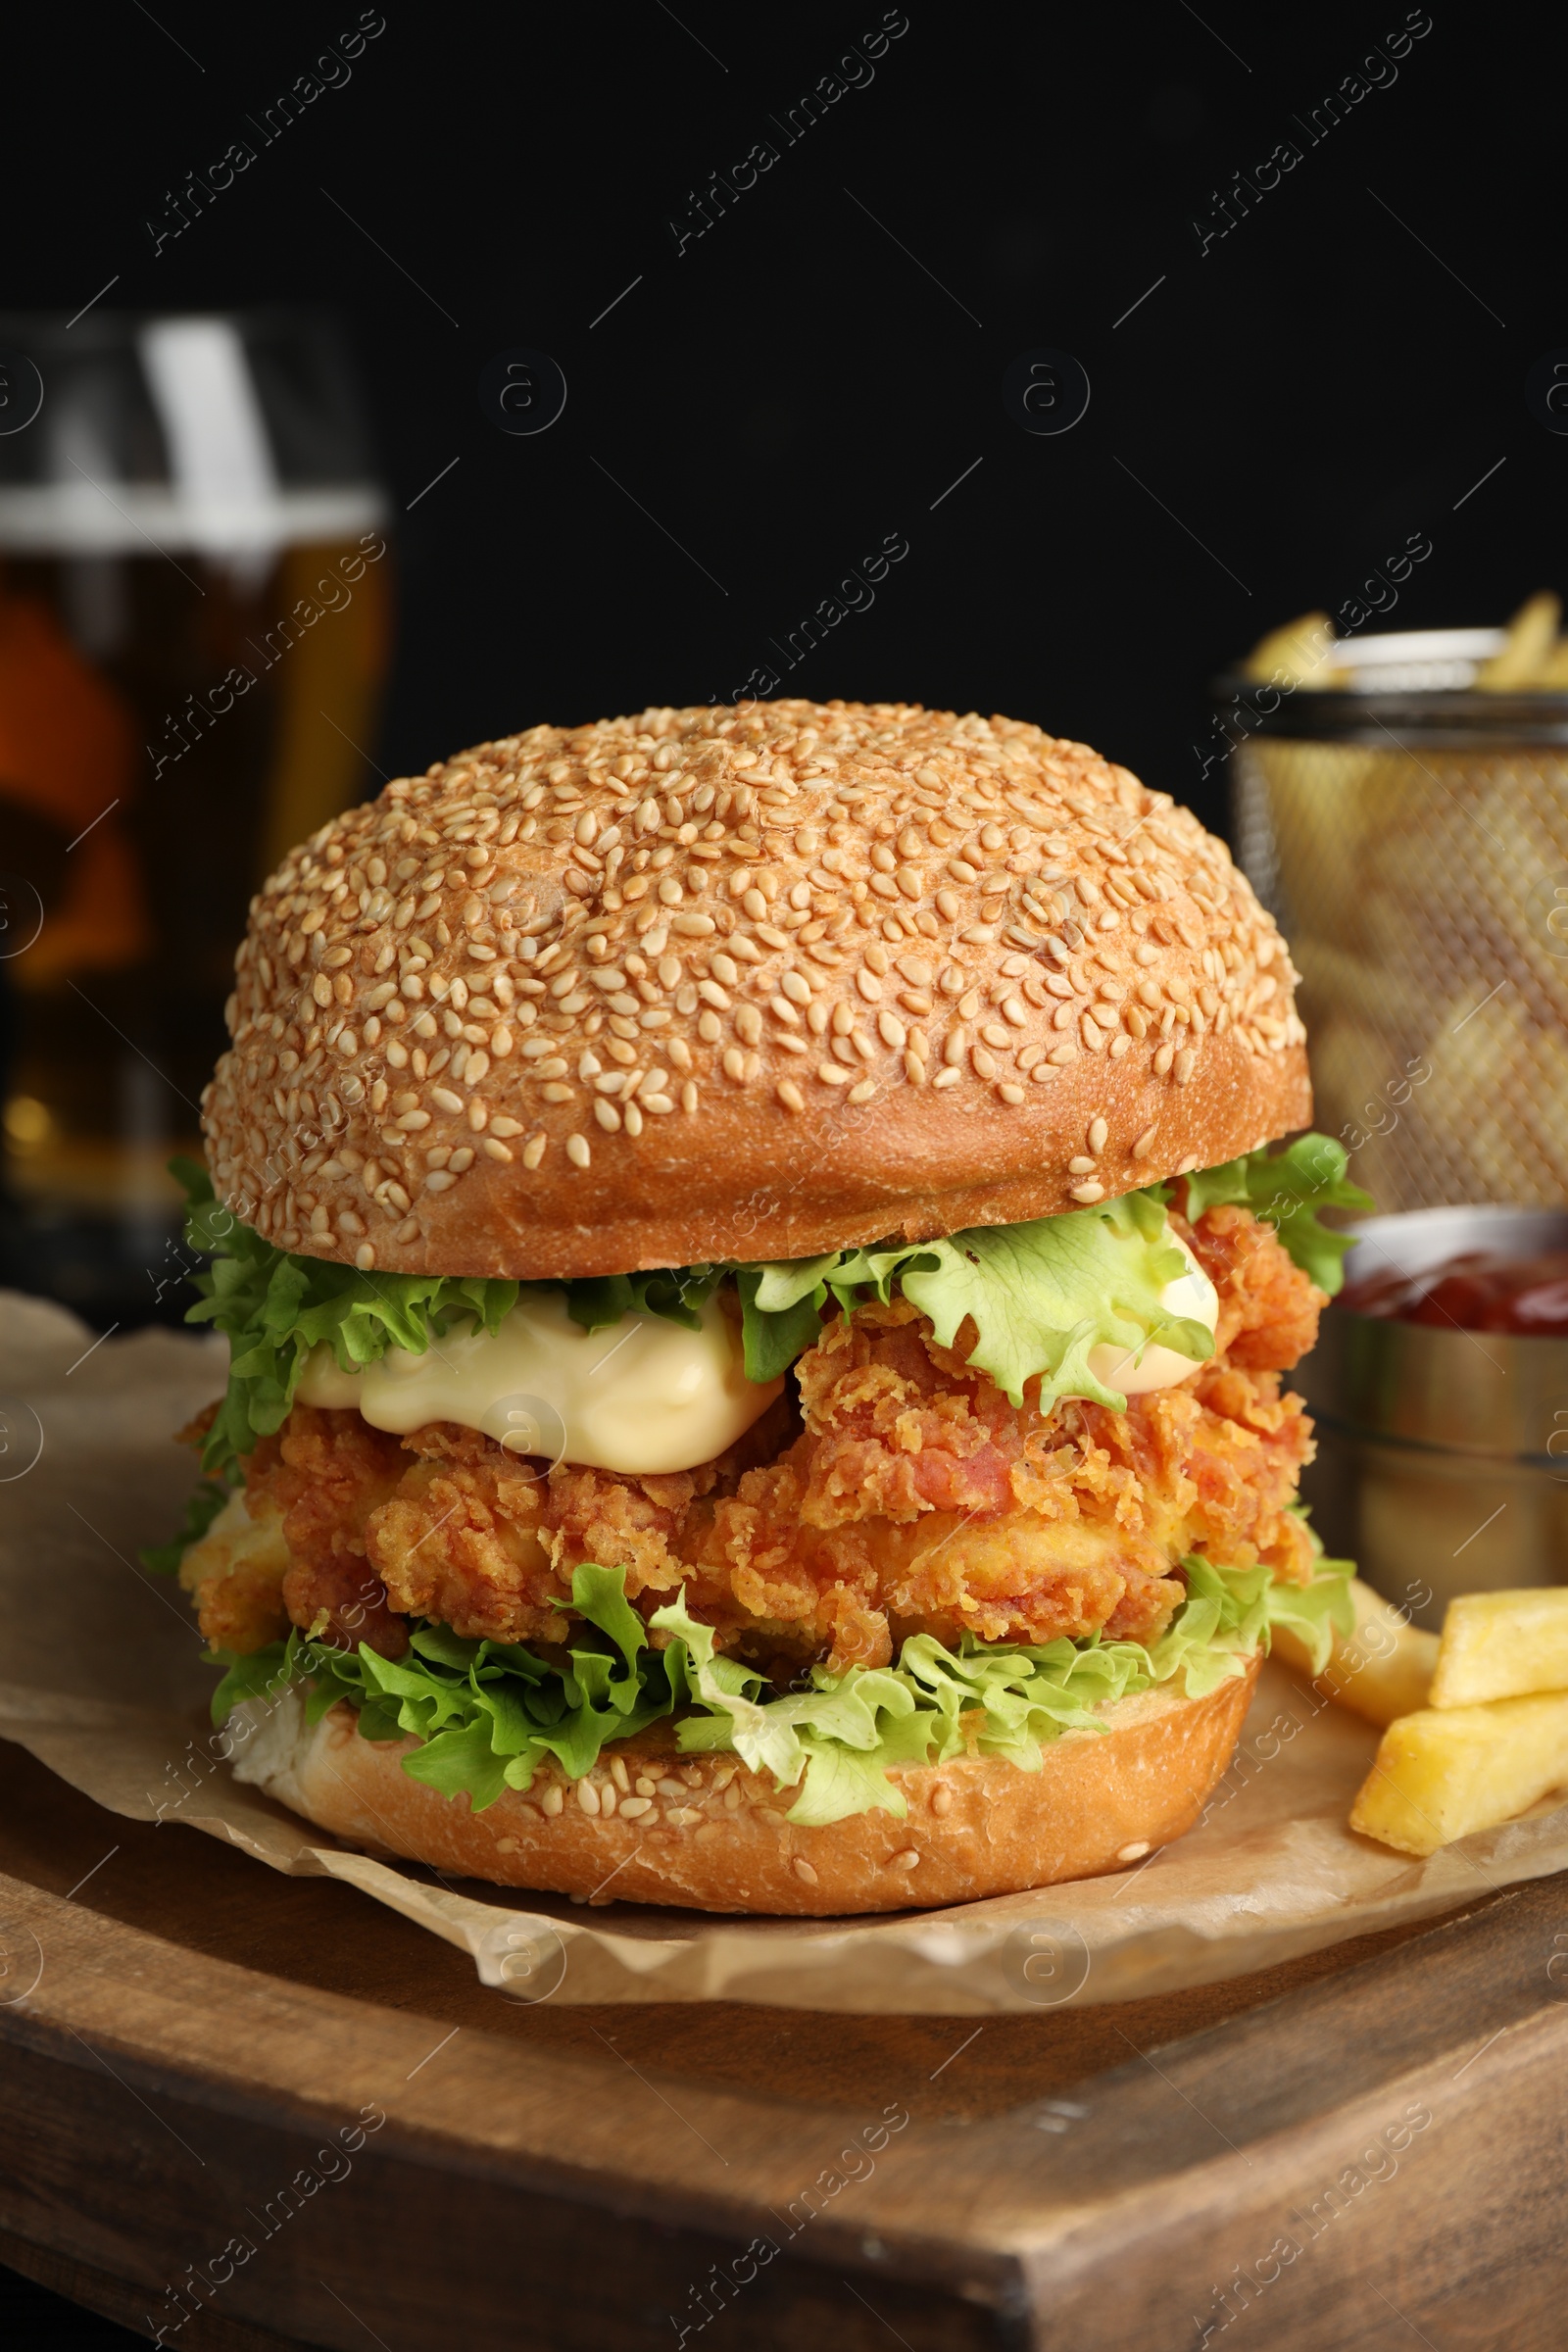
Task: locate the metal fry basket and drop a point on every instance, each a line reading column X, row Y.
column 1410, row 834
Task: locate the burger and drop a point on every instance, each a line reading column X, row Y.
column 758, row 1286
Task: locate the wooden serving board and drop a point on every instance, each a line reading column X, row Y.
column 212, row 2072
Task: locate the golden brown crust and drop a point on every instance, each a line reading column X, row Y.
column 554, row 1009
column 713, row 1836
column 235, row 1576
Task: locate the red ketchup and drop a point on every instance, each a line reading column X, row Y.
column 1481, row 1290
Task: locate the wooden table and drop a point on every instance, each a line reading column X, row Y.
column 193, row 2068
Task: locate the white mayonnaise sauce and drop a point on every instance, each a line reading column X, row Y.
column 1193, row 1296
column 645, row 1397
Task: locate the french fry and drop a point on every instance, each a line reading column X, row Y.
column 1440, row 1775
column 1532, row 638
column 1301, row 652
column 1380, row 1671
column 1502, row 1645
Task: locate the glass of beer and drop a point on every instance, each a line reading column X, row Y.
column 195, row 593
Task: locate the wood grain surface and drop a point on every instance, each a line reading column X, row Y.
column 205, row 2044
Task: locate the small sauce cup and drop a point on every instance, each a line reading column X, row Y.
column 1443, row 1453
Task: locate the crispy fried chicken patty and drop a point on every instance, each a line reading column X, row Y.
column 904, row 1495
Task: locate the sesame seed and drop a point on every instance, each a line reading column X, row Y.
column 941, row 1800
column 804, row 1871
column 533, row 1150
column 1087, row 1192
column 1080, row 1167
column 494, row 1151
column 444, row 1100
column 790, row 1095
column 577, row 1150
column 424, row 881
column 906, row 1861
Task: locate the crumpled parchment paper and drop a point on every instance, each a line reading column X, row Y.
column 101, row 1679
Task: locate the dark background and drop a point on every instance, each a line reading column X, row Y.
column 794, row 384
column 1265, row 428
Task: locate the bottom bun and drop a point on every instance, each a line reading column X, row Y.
column 706, row 1834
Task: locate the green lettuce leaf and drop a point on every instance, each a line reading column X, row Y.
column 1042, row 1295
column 1317, row 1611
column 838, row 1741
column 274, row 1307
column 1285, row 1190
column 775, row 1338
column 487, row 1714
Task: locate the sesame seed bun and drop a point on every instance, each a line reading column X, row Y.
column 742, row 983
column 713, row 1837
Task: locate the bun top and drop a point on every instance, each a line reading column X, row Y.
column 747, row 983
